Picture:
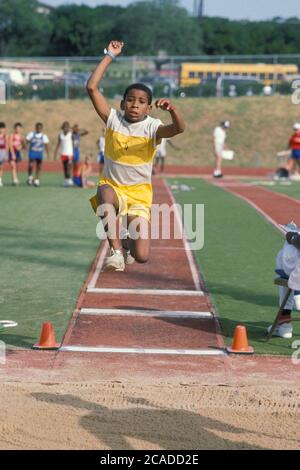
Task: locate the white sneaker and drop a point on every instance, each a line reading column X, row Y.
column 114, row 262
column 37, row 183
column 30, row 180
column 16, row 182
column 128, row 258
column 285, row 330
column 1, row 183
column 217, row 174
column 70, row 182
column 66, row 183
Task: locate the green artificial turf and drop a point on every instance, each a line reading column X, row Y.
column 47, row 243
column 237, row 263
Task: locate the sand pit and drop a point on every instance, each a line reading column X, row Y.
column 160, row 417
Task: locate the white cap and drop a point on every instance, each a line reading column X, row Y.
column 296, row 126
column 226, row 124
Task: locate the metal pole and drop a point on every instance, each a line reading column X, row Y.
column 66, row 79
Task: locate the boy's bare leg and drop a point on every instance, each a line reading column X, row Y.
column 139, row 231
column 106, row 195
column 38, row 169
column 13, row 166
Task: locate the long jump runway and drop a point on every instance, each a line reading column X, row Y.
column 154, row 319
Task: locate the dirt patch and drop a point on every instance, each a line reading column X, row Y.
column 128, row 416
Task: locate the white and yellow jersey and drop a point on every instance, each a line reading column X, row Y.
column 129, row 149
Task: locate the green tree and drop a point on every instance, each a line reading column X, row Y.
column 23, row 31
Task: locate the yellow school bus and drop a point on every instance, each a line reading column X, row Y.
column 268, row 74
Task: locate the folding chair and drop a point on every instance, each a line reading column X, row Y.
column 280, row 282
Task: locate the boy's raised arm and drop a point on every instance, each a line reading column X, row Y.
column 99, row 101
column 178, row 124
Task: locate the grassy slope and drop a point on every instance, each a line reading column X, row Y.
column 260, row 124
column 238, row 264
column 47, row 239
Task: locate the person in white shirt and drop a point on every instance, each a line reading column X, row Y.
column 219, row 138
column 38, row 142
column 162, row 153
column 65, row 145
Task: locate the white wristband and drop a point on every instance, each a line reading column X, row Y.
column 106, row 52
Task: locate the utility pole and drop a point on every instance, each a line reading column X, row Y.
column 198, row 8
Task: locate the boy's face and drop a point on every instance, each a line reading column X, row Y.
column 2, row 130
column 135, row 105
column 39, row 128
column 18, row 129
column 66, row 127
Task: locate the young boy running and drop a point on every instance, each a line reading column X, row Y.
column 38, row 142
column 130, row 144
column 3, row 149
column 16, row 144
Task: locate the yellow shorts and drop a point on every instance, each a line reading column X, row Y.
column 135, row 200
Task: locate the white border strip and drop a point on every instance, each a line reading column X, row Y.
column 98, row 268
column 178, row 352
column 145, row 313
column 193, row 266
column 104, row 290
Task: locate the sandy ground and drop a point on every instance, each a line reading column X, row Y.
column 160, row 417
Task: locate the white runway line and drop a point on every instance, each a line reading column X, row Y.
column 99, row 265
column 104, row 290
column 178, row 352
column 145, row 313
column 192, row 264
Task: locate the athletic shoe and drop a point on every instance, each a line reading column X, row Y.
column 285, row 330
column 30, row 180
column 66, row 183
column 114, row 262
column 70, row 182
column 128, row 258
column 1, row 184
column 217, row 174
column 15, row 182
column 37, row 183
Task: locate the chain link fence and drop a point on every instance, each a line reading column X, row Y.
column 179, row 76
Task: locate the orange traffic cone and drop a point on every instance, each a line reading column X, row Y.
column 47, row 338
column 240, row 342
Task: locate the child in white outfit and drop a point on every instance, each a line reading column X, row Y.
column 288, row 267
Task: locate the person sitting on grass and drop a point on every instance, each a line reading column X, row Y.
column 288, row 267
column 130, row 144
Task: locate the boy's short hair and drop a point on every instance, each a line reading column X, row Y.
column 139, row 86
column 17, row 124
column 2, row 125
column 39, row 124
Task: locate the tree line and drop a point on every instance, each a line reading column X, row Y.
column 146, row 27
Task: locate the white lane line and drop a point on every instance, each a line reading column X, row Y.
column 193, row 266
column 145, row 313
column 178, row 352
column 99, row 265
column 104, row 290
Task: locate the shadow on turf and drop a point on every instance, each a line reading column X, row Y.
column 239, row 293
column 163, row 427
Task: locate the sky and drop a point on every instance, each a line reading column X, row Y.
column 233, row 9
